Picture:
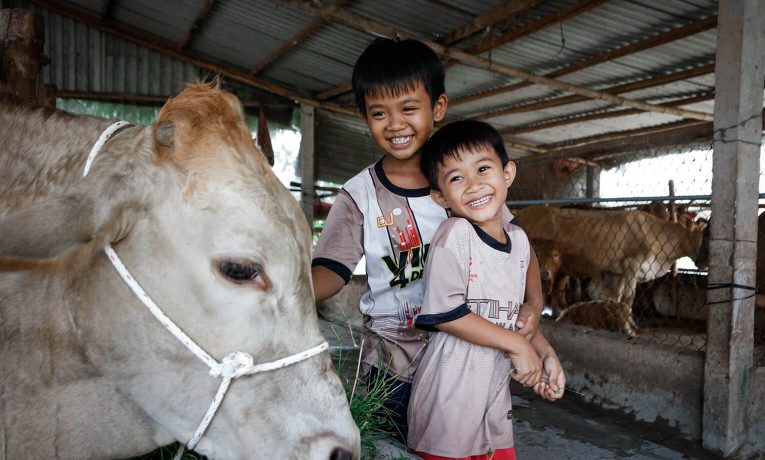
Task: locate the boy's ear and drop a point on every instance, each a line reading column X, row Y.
column 439, row 198
column 439, row 109
column 509, row 173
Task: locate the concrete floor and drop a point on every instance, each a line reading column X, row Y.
column 573, row 429
column 567, row 429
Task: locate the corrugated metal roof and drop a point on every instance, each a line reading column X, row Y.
column 241, row 34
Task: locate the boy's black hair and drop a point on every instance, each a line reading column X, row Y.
column 456, row 136
column 393, row 67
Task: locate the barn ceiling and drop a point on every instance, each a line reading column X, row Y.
column 556, row 77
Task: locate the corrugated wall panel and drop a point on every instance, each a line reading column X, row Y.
column 86, row 59
column 343, row 147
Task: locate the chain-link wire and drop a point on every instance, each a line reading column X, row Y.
column 623, row 241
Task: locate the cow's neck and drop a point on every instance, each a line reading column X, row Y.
column 683, row 241
column 49, row 387
column 52, row 146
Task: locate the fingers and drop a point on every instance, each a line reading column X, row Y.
column 527, row 376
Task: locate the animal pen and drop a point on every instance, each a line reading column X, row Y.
column 647, row 114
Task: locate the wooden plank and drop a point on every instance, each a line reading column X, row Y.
column 307, row 165
column 21, row 54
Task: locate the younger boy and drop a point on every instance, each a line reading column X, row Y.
column 385, row 213
column 475, row 282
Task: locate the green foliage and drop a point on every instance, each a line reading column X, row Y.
column 168, row 453
column 136, row 114
column 367, row 401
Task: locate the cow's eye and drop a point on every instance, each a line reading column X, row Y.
column 239, row 271
column 244, row 272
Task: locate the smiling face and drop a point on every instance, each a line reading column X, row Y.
column 473, row 184
column 402, row 124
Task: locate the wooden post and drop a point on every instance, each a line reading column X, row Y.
column 591, row 178
column 22, row 36
column 739, row 72
column 307, row 171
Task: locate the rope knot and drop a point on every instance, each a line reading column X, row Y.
column 234, row 365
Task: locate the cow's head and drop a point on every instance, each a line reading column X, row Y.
column 699, row 237
column 199, row 219
column 550, row 256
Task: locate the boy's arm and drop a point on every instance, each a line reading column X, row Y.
column 326, row 283
column 339, row 248
column 474, row 329
column 531, row 310
column 553, row 381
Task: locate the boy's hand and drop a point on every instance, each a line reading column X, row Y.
column 527, row 368
column 553, row 381
column 528, row 320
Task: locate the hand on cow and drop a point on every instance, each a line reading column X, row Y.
column 527, row 367
column 528, row 320
column 552, row 383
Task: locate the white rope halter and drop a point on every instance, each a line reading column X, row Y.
column 236, row 364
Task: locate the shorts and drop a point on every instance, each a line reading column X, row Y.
column 500, row 454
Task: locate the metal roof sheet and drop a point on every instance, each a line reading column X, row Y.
column 241, row 34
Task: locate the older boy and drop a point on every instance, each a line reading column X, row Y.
column 385, row 213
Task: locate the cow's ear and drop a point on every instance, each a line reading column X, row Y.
column 164, row 134
column 568, row 248
column 52, row 232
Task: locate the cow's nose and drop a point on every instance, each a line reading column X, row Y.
column 340, row 454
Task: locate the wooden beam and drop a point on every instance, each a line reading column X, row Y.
column 293, row 42
column 336, row 91
column 183, row 43
column 535, row 26
column 143, row 99
column 502, row 12
column 629, row 138
column 599, row 116
column 650, row 42
column 370, row 26
column 172, row 50
column 107, row 10
column 307, row 161
column 626, row 88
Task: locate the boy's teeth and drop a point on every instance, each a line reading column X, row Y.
column 480, row 202
column 401, row 140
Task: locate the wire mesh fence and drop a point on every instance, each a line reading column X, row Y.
column 622, row 241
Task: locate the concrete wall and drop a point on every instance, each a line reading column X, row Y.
column 755, row 443
column 646, row 379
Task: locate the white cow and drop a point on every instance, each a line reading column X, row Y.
column 203, row 225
